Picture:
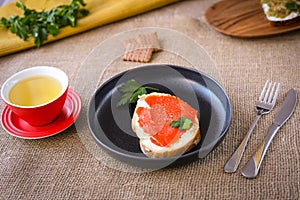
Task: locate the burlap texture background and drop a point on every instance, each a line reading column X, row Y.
column 61, row 167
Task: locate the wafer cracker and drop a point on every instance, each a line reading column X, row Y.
column 149, row 40
column 139, row 55
column 131, row 44
column 141, row 47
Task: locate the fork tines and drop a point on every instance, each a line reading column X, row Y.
column 267, row 95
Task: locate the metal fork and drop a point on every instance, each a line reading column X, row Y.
column 264, row 105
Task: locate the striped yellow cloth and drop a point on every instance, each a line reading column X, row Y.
column 101, row 12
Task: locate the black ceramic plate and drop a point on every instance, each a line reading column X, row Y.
column 110, row 125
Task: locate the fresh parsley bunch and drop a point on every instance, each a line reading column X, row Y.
column 40, row 24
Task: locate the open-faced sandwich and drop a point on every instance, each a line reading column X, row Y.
column 166, row 125
column 282, row 12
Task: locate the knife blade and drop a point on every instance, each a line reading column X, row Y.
column 251, row 169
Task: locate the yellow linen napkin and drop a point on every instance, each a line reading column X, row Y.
column 101, row 12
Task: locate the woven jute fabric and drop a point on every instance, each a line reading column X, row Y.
column 70, row 165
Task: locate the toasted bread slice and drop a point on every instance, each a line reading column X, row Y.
column 185, row 142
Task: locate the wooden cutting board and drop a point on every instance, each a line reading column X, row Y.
column 243, row 18
column 101, row 13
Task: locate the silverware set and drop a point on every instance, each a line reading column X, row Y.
column 264, row 105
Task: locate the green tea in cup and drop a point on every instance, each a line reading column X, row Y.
column 36, row 94
column 35, row 91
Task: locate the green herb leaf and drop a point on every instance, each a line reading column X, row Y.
column 182, row 123
column 293, row 6
column 130, row 86
column 135, row 95
column 40, row 24
column 84, row 12
column 20, row 4
column 124, row 99
column 131, row 92
column 53, row 29
column 175, row 123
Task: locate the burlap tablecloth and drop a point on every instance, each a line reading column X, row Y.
column 61, row 167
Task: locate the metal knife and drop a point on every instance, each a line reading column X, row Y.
column 252, row 167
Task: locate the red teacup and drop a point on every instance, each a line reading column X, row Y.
column 40, row 114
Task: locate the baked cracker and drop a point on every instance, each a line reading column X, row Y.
column 141, row 47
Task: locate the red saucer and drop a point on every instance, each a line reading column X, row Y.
column 20, row 128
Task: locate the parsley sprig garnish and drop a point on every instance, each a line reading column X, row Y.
column 131, row 92
column 183, row 123
column 40, row 24
column 293, row 6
